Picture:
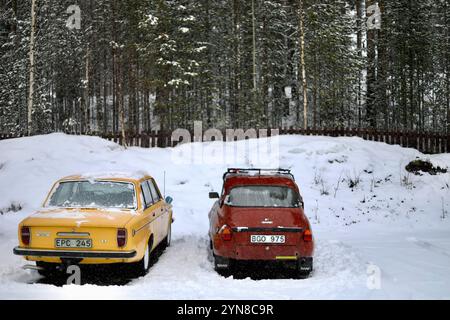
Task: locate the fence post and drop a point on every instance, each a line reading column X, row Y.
column 434, row 143
column 447, row 142
column 160, row 142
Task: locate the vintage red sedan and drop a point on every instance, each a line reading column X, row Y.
column 260, row 217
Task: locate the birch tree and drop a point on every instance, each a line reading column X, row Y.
column 31, row 68
column 304, row 84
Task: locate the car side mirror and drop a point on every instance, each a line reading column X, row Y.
column 227, row 200
column 214, row 195
column 169, row 200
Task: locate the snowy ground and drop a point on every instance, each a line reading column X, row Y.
column 389, row 224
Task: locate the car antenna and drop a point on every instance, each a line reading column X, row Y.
column 164, row 186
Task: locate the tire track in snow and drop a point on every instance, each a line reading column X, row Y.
column 428, row 246
column 185, row 272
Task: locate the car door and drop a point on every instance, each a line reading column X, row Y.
column 150, row 211
column 162, row 211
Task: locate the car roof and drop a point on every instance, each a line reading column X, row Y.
column 242, row 180
column 256, row 172
column 113, row 176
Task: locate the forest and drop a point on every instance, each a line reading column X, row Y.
column 110, row 66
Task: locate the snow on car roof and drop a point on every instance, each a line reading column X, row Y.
column 131, row 175
column 253, row 172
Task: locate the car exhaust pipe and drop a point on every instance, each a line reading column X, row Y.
column 32, row 267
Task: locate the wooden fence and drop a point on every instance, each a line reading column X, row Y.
column 426, row 142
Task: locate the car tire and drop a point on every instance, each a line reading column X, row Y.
column 303, row 274
column 46, row 270
column 222, row 265
column 209, row 252
column 142, row 267
column 168, row 239
column 304, row 268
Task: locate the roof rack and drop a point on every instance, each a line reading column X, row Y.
column 246, row 171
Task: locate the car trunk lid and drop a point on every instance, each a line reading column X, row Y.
column 79, row 217
column 246, row 222
column 98, row 226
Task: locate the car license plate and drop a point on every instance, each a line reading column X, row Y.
column 73, row 243
column 267, row 239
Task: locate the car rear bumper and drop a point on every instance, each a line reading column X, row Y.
column 302, row 264
column 74, row 254
column 267, row 252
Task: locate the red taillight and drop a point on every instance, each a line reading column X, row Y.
column 226, row 233
column 121, row 238
column 25, row 235
column 307, row 236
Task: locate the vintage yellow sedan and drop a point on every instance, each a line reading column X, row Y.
column 97, row 219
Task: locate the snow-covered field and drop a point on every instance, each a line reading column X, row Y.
column 380, row 233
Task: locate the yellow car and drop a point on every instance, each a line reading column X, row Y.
column 97, row 219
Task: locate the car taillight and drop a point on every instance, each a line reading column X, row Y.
column 121, row 238
column 307, row 236
column 25, row 235
column 227, row 233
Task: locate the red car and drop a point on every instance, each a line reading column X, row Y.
column 260, row 216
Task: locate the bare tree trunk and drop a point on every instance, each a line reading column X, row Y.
column 448, row 101
column 303, row 64
column 254, row 47
column 86, row 116
column 237, row 66
column 315, row 90
column 359, row 46
column 371, row 74
column 382, row 70
column 256, row 109
column 32, row 68
column 447, row 66
column 105, row 95
column 120, row 100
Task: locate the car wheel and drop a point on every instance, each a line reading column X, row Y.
column 304, row 268
column 143, row 266
column 168, row 239
column 303, row 274
column 222, row 265
column 209, row 252
column 46, row 270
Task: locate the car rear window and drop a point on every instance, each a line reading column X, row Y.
column 94, row 194
column 263, row 196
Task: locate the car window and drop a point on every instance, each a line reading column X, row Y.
column 148, row 199
column 154, row 190
column 263, row 196
column 93, row 194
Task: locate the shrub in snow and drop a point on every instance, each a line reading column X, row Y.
column 353, row 180
column 14, row 207
column 418, row 166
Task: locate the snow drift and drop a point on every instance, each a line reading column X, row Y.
column 370, row 217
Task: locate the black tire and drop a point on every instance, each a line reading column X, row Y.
column 222, row 266
column 168, row 239
column 303, row 274
column 142, row 267
column 209, row 252
column 47, row 270
column 304, row 268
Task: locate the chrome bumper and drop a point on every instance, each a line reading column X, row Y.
column 74, row 254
